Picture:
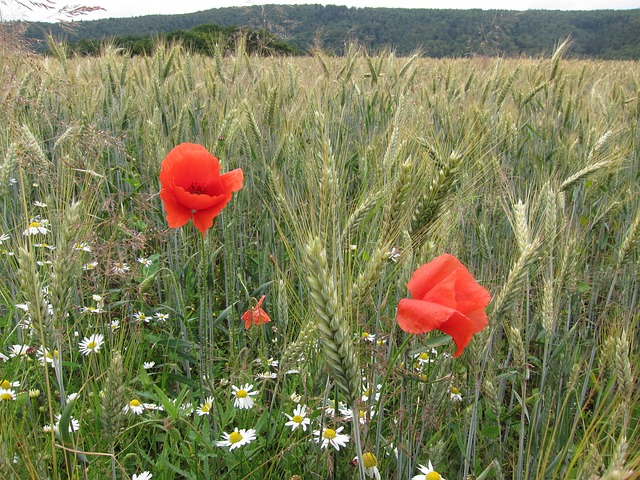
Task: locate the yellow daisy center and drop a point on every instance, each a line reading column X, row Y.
column 432, row 476
column 206, row 407
column 362, row 414
column 455, row 391
column 5, row 384
column 329, row 434
column 241, row 393
column 297, row 418
column 34, row 224
column 134, row 403
column 369, row 460
column 424, row 356
column 91, row 345
column 6, row 396
column 365, row 335
column 235, row 437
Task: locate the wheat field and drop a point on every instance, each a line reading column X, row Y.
column 123, row 349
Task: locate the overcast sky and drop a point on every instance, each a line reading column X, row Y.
column 133, row 8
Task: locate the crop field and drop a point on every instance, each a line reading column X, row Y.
column 138, row 341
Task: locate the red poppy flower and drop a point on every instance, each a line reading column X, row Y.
column 446, row 297
column 192, row 186
column 257, row 316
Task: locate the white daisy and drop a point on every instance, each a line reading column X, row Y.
column 237, row 438
column 45, row 356
column 153, row 406
column 7, row 394
column 19, row 350
column 369, row 337
column 455, row 395
column 427, row 473
column 91, row 310
column 91, row 344
column 205, row 408
column 143, row 476
column 332, row 437
column 393, row 254
column 90, row 266
column 3, row 357
column 3, row 238
column 266, row 376
column 299, row 418
column 39, row 204
column 145, row 262
column 370, row 465
column 141, row 317
column 423, row 358
column 134, row 406
column 161, row 317
column 71, row 397
column 82, row 247
column 243, row 396
column 148, row 365
column 37, row 226
column 120, row 268
column 74, row 426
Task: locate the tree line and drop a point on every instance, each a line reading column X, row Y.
column 601, row 34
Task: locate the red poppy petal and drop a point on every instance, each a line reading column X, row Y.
column 460, row 328
column 188, row 164
column 260, row 317
column 194, row 201
column 432, row 273
column 478, row 319
column 417, row 316
column 203, row 219
column 176, row 213
column 444, row 292
column 232, row 181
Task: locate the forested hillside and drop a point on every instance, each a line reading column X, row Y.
column 605, row 34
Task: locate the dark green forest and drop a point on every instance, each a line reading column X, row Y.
column 601, row 34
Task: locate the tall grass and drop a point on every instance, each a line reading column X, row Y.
column 526, row 170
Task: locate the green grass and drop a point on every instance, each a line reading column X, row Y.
column 525, row 170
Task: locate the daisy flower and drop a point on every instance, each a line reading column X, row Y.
column 266, row 376
column 148, row 365
column 37, row 226
column 39, row 204
column 369, row 337
column 141, row 317
column 115, row 325
column 243, row 396
column 206, row 407
column 82, row 247
column 45, row 356
column 299, row 418
column 3, row 357
column 120, row 268
column 393, row 254
column 455, row 395
column 7, row 394
column 134, row 406
column 146, row 475
column 423, row 358
column 370, row 465
column 91, row 310
column 161, row 317
column 90, row 266
column 74, row 426
column 427, row 473
column 91, row 344
column 19, row 350
column 145, row 262
column 6, row 384
column 237, row 438
column 332, row 437
column 3, row 238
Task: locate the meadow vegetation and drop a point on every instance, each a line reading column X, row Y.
column 122, row 340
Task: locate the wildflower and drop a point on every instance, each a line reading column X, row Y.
column 34, row 393
column 141, row 317
column 91, row 344
column 3, row 357
column 446, row 297
column 423, row 358
column 161, row 317
column 90, row 266
column 192, row 186
column 19, row 350
column 45, row 356
column 3, row 238
column 71, row 397
column 148, row 365
column 37, row 226
column 332, row 437
column 146, row 475
column 120, row 268
column 368, row 391
column 153, row 406
column 427, row 473
column 6, row 384
column 455, row 395
column 74, row 425
column 39, row 204
column 237, row 438
column 295, row 398
column 266, row 376
column 145, row 262
column 115, row 325
column 299, row 418
column 206, row 407
column 393, row 254
column 134, row 406
column 330, row 407
column 369, row 337
column 370, row 465
column 91, row 310
column 243, row 396
column 82, row 247
column 256, row 316
column 7, row 394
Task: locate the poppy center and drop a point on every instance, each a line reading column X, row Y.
column 329, row 434
column 369, row 460
column 432, row 476
column 197, row 189
column 235, row 437
column 241, row 394
column 297, row 418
